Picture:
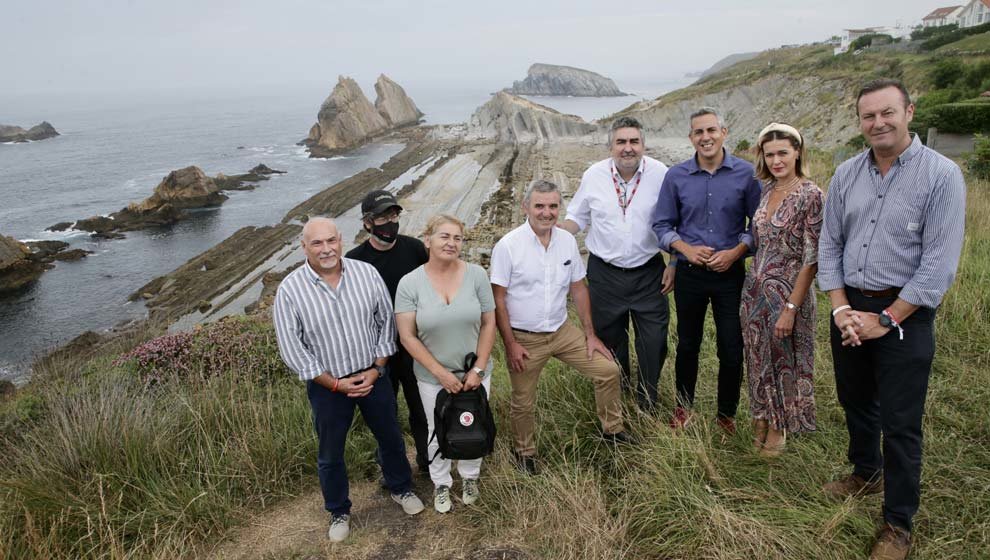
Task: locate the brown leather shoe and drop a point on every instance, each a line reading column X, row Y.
column 727, row 424
column 680, row 419
column 852, row 485
column 893, row 543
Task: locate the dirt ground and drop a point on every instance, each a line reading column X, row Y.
column 380, row 530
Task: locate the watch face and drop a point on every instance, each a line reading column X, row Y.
column 885, row 321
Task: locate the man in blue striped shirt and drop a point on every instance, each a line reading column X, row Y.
column 335, row 327
column 889, row 249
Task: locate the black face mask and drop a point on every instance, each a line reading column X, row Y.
column 386, row 232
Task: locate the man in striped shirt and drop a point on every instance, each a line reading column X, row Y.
column 335, row 328
column 889, row 249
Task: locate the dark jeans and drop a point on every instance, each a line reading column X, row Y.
column 618, row 295
column 882, row 387
column 400, row 367
column 332, row 417
column 694, row 288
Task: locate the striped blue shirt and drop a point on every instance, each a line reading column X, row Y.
column 902, row 230
column 339, row 331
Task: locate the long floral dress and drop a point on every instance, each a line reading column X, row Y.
column 781, row 388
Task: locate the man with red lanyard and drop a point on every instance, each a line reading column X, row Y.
column 626, row 273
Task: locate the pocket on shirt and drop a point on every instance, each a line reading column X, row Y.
column 907, row 218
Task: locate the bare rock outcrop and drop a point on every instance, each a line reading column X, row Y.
column 347, row 119
column 22, row 263
column 10, row 133
column 551, row 79
column 394, row 105
column 16, row 269
column 507, row 118
column 180, row 190
column 821, row 108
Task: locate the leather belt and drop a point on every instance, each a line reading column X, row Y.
column 528, row 332
column 647, row 264
column 889, row 292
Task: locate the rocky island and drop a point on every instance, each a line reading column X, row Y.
column 347, row 119
column 10, row 133
column 550, row 79
column 180, row 190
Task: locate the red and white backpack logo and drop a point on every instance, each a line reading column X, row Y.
column 466, row 419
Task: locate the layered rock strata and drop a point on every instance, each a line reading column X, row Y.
column 507, row 118
column 347, row 119
column 10, row 133
column 550, row 79
column 821, row 108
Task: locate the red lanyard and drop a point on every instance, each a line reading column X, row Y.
column 618, row 193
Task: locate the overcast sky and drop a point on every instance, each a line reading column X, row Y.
column 119, row 45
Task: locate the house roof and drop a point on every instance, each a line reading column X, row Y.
column 940, row 13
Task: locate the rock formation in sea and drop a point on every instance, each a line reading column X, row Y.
column 10, row 133
column 507, row 118
column 180, row 190
column 22, row 263
column 393, row 104
column 347, row 119
column 550, row 79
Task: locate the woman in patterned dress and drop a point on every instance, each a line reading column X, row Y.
column 778, row 303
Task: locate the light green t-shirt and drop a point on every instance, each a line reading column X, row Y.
column 449, row 332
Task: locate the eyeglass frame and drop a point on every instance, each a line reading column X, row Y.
column 384, row 218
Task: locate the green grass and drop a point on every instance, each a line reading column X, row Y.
column 110, row 461
column 973, row 43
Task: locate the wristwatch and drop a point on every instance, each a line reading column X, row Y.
column 790, row 306
column 378, row 368
column 886, row 321
column 478, row 370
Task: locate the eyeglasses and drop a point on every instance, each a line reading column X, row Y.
column 385, row 218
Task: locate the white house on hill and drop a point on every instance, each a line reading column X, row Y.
column 850, row 35
column 977, row 12
column 942, row 16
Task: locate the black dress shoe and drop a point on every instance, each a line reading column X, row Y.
column 620, row 438
column 525, row 463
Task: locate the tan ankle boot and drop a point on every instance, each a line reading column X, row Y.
column 774, row 444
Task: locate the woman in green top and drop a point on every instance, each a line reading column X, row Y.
column 444, row 310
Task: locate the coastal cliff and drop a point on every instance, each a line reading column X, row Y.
column 10, row 133
column 347, row 119
column 821, row 108
column 506, row 118
column 550, row 79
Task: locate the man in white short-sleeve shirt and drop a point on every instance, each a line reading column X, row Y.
column 533, row 268
column 627, row 278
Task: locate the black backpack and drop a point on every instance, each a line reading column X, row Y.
column 462, row 422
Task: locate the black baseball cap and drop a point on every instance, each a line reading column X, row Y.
column 378, row 202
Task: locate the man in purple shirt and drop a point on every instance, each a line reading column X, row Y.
column 703, row 215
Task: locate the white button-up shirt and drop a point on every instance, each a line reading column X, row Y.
column 623, row 240
column 536, row 279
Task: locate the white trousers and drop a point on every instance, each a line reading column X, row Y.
column 440, row 467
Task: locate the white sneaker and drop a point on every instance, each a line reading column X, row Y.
column 441, row 499
column 410, row 503
column 470, row 493
column 340, row 527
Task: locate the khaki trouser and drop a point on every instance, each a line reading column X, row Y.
column 568, row 345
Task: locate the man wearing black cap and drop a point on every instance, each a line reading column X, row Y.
column 394, row 255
